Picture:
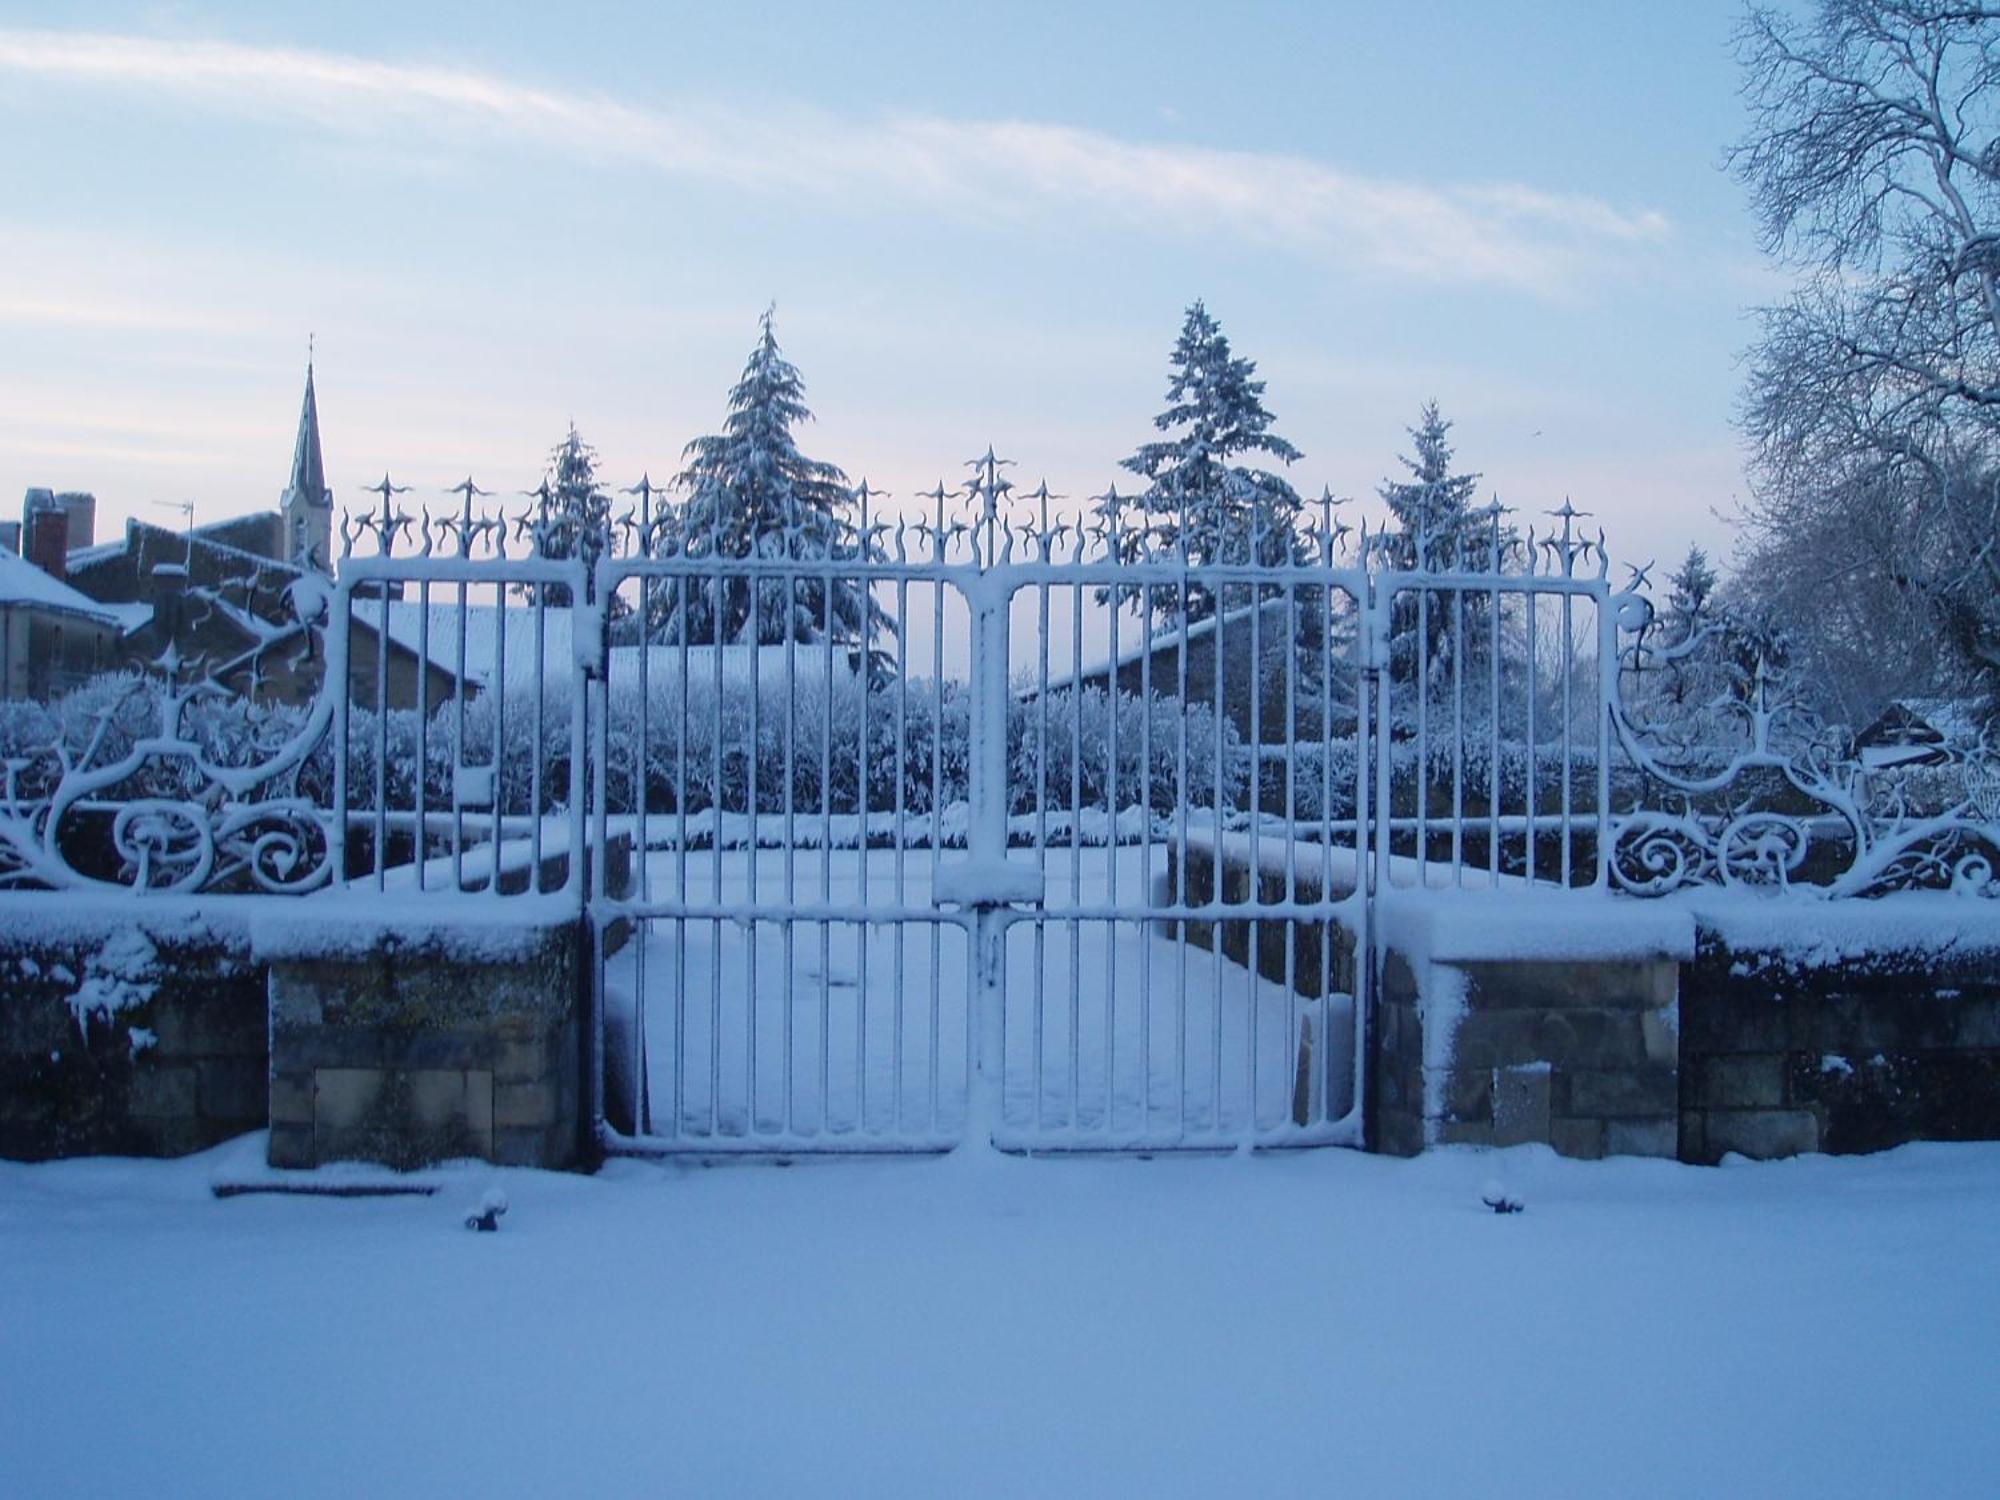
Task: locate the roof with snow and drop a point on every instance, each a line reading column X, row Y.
column 527, row 636
column 1906, row 721
column 24, row 584
column 488, row 629
column 1142, row 645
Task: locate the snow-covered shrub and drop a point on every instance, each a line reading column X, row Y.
column 1060, row 753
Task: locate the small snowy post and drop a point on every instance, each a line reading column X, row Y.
column 986, row 834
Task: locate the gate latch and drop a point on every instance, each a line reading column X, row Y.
column 989, row 882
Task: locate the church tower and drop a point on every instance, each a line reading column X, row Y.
column 306, row 507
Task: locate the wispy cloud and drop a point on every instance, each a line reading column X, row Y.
column 1496, row 232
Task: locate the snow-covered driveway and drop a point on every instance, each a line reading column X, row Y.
column 1323, row 1323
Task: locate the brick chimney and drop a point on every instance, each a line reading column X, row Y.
column 45, row 533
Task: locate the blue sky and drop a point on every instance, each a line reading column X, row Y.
column 979, row 224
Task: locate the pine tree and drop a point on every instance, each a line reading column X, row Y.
column 1691, row 670
column 1433, row 504
column 575, row 520
column 1438, row 530
column 1689, row 590
column 1197, row 499
column 752, row 493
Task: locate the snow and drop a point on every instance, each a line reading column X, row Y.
column 131, row 618
column 1537, row 925
column 484, row 626
column 1814, row 933
column 1302, row 1323
column 122, row 975
column 22, row 583
column 466, row 926
column 94, row 916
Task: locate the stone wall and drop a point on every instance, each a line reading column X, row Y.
column 1578, row 1051
column 128, row 1026
column 1310, row 957
column 1788, row 1047
column 355, row 1027
column 410, row 1043
column 1394, row 1108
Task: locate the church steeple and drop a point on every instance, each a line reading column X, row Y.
column 307, row 504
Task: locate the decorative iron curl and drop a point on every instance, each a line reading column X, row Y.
column 1653, row 854
column 281, row 846
column 164, row 845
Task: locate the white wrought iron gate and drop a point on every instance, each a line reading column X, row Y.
column 963, row 830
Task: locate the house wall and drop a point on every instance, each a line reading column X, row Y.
column 364, row 673
column 43, row 653
column 1240, row 677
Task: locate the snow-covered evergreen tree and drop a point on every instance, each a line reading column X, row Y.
column 750, row 492
column 1433, row 503
column 1198, row 497
column 1438, row 529
column 575, row 520
column 1690, row 588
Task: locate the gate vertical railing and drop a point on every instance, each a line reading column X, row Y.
column 986, row 868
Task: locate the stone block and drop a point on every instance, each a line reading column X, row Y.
column 344, row 1097
column 1502, row 1039
column 1659, row 1037
column 291, row 1098
column 1521, row 1106
column 1694, row 1137
column 526, row 1104
column 519, row 1059
column 1572, row 1038
column 1642, row 1138
column 1846, row 1022
column 404, row 1118
column 1464, row 1094
column 168, row 1135
column 1725, row 1017
column 1578, row 1138
column 291, row 1145
column 1623, row 984
column 1397, row 1133
column 442, row 1101
column 234, row 1090
column 314, row 1047
column 165, row 1090
column 1763, row 1133
column 229, row 1019
column 1399, row 983
column 34, row 1021
column 1978, row 1021
column 1744, row 1082
column 525, row 1146
column 1621, row 1093
column 452, row 1049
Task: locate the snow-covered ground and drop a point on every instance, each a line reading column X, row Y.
column 1320, row 1323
